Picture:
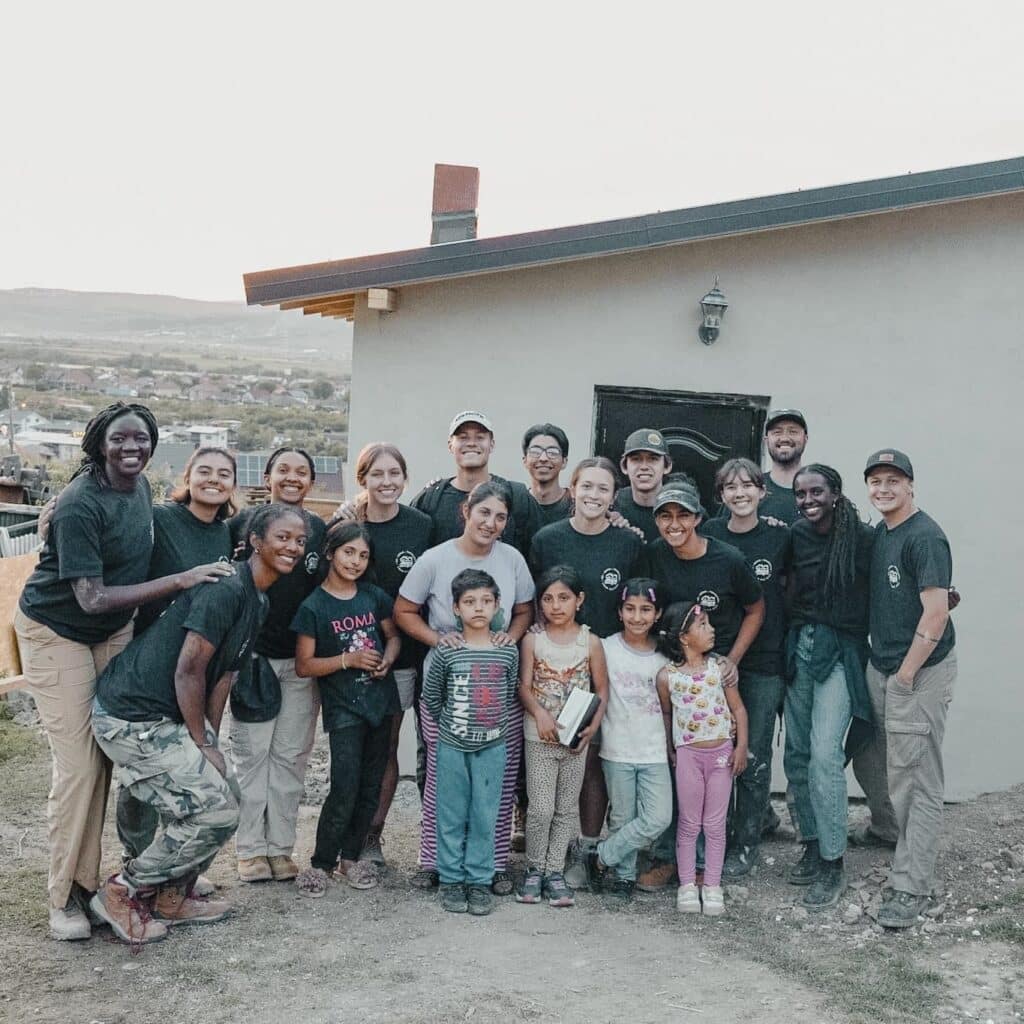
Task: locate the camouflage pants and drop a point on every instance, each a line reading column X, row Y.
column 162, row 767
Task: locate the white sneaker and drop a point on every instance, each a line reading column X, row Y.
column 713, row 900
column 688, row 899
column 69, row 924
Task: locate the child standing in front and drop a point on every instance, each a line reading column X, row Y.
column 561, row 657
column 468, row 690
column 698, row 717
column 348, row 643
column 633, row 753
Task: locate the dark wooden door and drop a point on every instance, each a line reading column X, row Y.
column 702, row 430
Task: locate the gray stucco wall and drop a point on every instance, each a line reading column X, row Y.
column 901, row 329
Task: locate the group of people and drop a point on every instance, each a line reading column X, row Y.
column 491, row 609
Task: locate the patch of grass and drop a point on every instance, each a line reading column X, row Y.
column 16, row 741
column 1005, row 929
column 23, row 899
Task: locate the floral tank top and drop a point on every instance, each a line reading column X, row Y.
column 699, row 710
column 557, row 670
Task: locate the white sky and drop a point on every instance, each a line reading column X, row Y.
column 169, row 148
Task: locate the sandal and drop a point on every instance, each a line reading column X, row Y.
column 312, row 882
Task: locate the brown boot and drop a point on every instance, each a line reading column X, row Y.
column 283, row 868
column 657, row 878
column 128, row 913
column 173, row 905
column 254, row 869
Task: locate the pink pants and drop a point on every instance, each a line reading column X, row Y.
column 703, row 785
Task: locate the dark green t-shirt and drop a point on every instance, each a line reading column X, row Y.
column 906, row 560
column 553, row 513
column 397, row 545
column 604, row 561
column 809, row 548
column 138, row 685
column 180, row 542
column 767, row 550
column 778, row 502
column 96, row 533
column 639, row 516
column 341, row 627
column 276, row 640
column 720, row 581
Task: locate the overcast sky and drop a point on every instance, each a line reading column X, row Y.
column 169, row 148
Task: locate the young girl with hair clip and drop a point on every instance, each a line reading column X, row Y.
column 348, row 642
column 699, row 713
column 633, row 741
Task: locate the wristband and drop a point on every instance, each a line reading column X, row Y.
column 929, row 639
column 344, row 667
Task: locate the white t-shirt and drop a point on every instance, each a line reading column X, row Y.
column 632, row 730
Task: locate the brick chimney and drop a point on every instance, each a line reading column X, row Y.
column 453, row 218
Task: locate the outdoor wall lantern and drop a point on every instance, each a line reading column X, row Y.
column 713, row 306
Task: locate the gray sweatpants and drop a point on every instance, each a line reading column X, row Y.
column 901, row 771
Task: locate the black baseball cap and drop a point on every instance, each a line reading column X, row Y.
column 645, row 440
column 683, row 496
column 784, row 414
column 892, row 459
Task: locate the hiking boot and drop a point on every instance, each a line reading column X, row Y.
column 283, row 868
column 597, row 872
column 806, row 869
column 453, row 898
column 128, row 913
column 712, row 901
column 621, row 888
column 359, row 874
column 531, row 887
column 254, row 869
column 519, row 830
column 657, row 877
column 865, row 838
column 739, row 862
column 770, row 821
column 828, row 886
column 479, row 900
column 501, row 885
column 69, row 923
column 556, row 892
column 202, row 886
column 425, row 878
column 576, row 873
column 901, row 910
column 688, row 899
column 176, row 906
column 373, row 850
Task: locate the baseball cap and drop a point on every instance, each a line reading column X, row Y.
column 784, row 414
column 470, row 416
column 685, row 497
column 891, row 458
column 645, row 440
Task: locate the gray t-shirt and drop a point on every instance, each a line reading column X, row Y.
column 429, row 582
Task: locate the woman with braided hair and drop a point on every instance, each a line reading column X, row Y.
column 74, row 616
column 826, row 655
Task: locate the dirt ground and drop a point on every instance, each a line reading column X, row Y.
column 391, row 954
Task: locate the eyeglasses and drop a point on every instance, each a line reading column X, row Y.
column 535, row 452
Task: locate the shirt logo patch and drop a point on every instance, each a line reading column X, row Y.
column 404, row 561
column 611, row 578
column 708, row 600
column 312, row 563
column 893, row 575
column 762, row 570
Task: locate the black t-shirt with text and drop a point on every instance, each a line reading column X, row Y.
column 639, row 516
column 276, row 640
column 850, row 615
column 342, row 626
column 180, row 542
column 604, row 562
column 767, row 550
column 138, row 685
column 720, row 581
column 906, row 560
column 96, row 533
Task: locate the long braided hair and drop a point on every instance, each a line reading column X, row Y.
column 93, row 460
column 840, row 563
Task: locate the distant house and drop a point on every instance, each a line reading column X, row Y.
column 205, row 435
column 45, row 446
column 23, row 419
column 120, row 391
column 207, row 392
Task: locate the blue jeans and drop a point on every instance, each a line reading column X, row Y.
column 641, row 809
column 817, row 717
column 762, row 696
column 468, row 799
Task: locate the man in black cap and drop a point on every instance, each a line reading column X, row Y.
column 646, row 462
column 785, row 434
column 910, row 678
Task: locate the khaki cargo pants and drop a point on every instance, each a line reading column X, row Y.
column 161, row 766
column 901, row 771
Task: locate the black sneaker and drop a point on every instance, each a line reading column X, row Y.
column 501, row 884
column 453, row 898
column 479, row 900
column 806, row 869
column 770, row 822
column 901, row 910
column 576, row 872
column 596, row 872
column 739, row 862
column 828, row 887
column 621, row 889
